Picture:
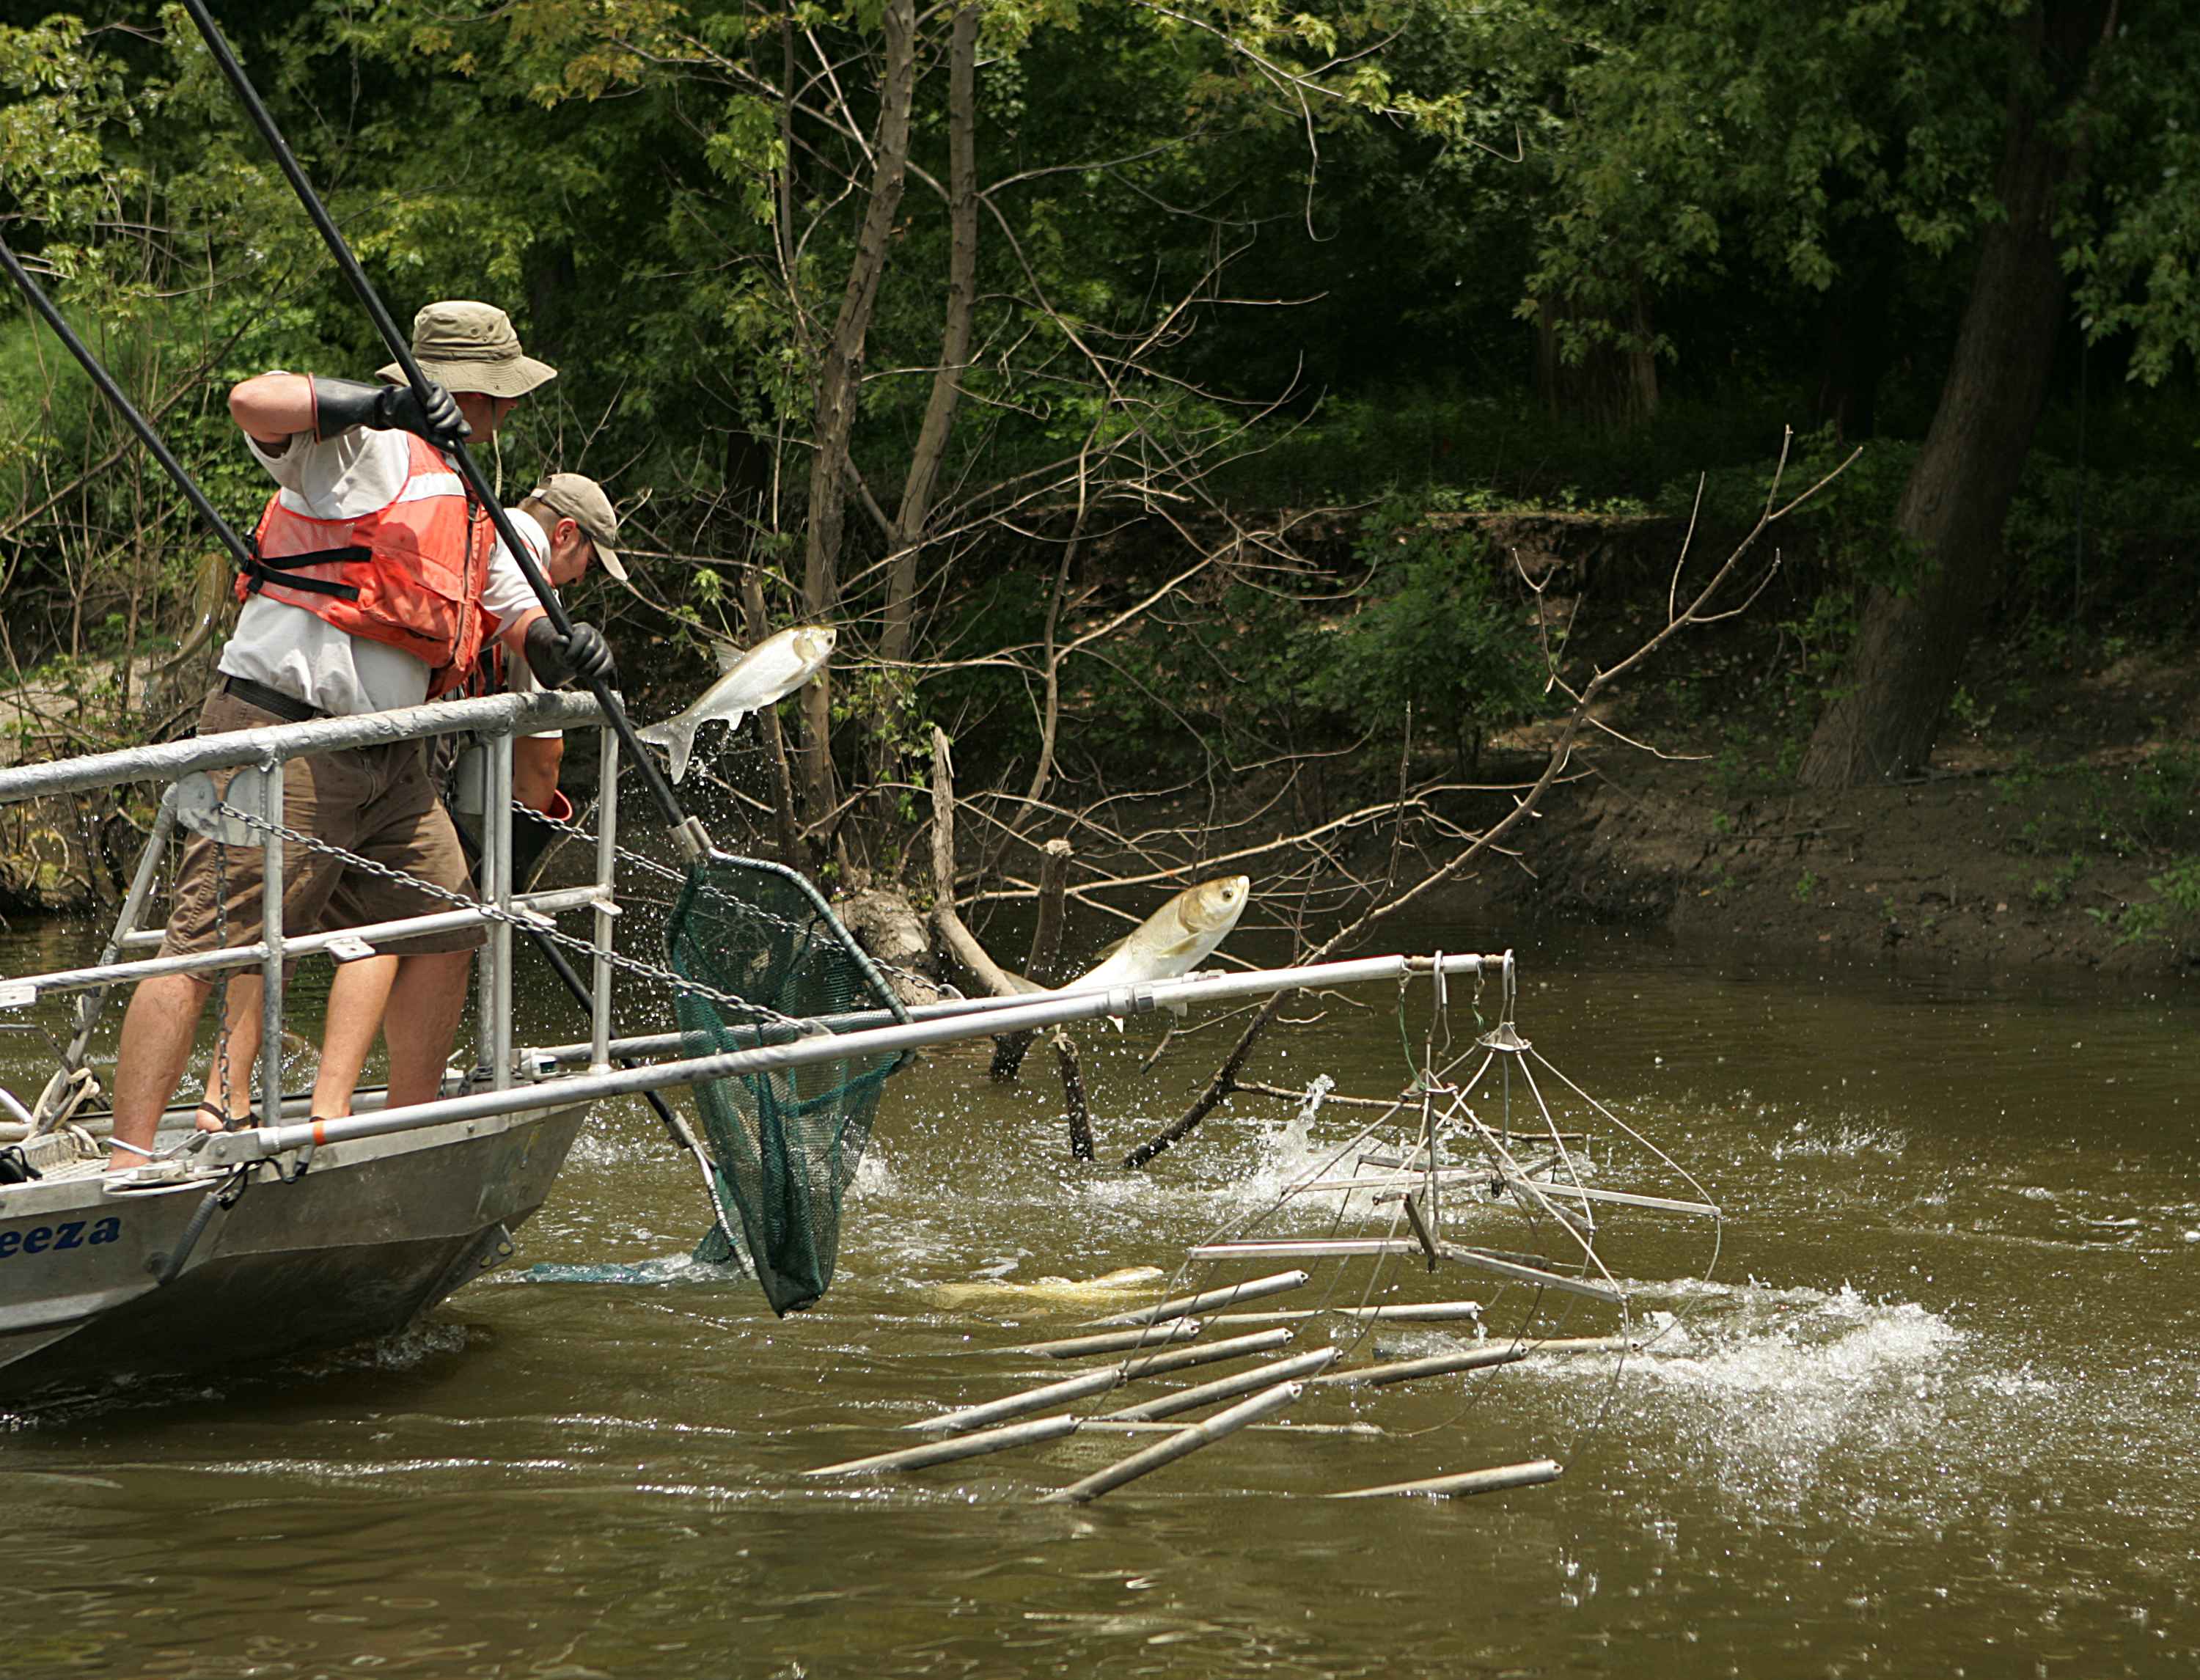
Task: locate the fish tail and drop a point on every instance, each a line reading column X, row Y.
column 678, row 740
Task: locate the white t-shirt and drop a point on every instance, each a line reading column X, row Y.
column 291, row 650
column 518, row 676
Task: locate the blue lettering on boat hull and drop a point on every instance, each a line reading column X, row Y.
column 68, row 1234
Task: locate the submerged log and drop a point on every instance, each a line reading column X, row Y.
column 961, row 1446
column 1528, row 1475
column 1224, row 1388
column 1261, row 1405
column 1024, row 1400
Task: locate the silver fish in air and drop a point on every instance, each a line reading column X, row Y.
column 1175, row 939
column 767, row 672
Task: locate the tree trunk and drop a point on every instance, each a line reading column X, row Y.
column 788, row 830
column 898, row 634
column 1911, row 645
column 839, row 384
column 1614, row 385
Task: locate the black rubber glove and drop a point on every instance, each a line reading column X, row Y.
column 557, row 659
column 341, row 404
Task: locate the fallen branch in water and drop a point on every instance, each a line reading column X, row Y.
column 1698, row 610
column 963, row 947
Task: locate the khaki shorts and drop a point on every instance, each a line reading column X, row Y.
column 373, row 800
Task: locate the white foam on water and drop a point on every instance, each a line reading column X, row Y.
column 1774, row 1392
column 601, row 1146
column 1803, row 1345
column 677, row 1268
column 1841, row 1138
column 874, row 1174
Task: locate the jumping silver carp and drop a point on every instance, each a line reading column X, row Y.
column 1045, row 1291
column 769, row 671
column 1175, row 939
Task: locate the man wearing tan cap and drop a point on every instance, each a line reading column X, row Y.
column 377, row 582
column 568, row 524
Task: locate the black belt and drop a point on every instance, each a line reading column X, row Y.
column 272, row 700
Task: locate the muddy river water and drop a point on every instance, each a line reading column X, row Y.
column 1936, row 1412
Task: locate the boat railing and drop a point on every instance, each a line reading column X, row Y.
column 248, row 810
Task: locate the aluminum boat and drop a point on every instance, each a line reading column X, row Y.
column 190, row 1262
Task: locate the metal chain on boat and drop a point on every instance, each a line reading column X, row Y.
column 543, row 925
column 642, row 861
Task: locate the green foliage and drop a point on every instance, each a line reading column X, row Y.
column 2052, row 891
column 2147, row 807
column 1718, row 182
column 1706, row 136
column 1437, row 636
column 2172, row 917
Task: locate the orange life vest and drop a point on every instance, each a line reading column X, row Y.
column 409, row 574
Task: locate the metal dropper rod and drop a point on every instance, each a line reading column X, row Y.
column 105, row 381
column 694, row 841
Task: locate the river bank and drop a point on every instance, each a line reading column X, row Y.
column 2054, row 827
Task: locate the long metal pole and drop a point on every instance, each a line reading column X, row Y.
column 496, row 972
column 228, row 1148
column 694, row 841
column 92, row 1004
column 1528, row 1475
column 955, row 1447
column 15, row 993
column 600, row 966
column 174, row 759
column 1224, row 1388
column 1254, row 1289
column 271, row 935
column 652, row 1043
column 1189, row 1440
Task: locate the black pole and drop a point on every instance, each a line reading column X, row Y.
column 693, row 840
column 577, row 989
column 562, row 966
column 100, row 377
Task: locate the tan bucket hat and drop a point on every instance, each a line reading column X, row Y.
column 583, row 500
column 471, row 347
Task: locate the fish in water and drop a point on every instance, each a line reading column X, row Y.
column 1175, row 939
column 1067, row 1292
column 767, row 672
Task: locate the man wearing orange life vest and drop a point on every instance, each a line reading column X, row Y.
column 378, row 585
column 567, row 523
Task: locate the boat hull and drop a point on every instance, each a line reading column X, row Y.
column 377, row 1231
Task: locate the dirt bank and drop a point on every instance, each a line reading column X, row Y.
column 2051, row 829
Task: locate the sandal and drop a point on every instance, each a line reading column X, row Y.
column 224, row 1121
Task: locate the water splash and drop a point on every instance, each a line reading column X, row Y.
column 1774, row 1392
column 1841, row 1138
column 671, row 1269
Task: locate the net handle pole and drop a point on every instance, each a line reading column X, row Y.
column 694, row 839
column 1041, row 1010
column 105, row 383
